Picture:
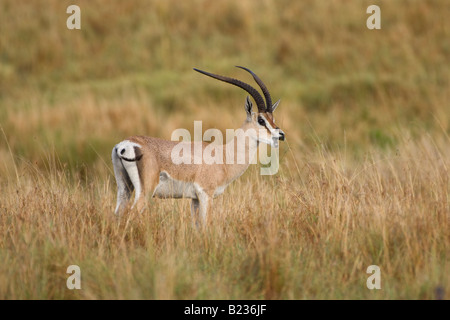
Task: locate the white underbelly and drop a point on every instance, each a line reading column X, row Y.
column 169, row 187
column 219, row 190
column 172, row 188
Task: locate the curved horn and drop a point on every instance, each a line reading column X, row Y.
column 263, row 88
column 252, row 91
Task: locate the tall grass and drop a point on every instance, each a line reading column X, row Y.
column 309, row 233
column 364, row 173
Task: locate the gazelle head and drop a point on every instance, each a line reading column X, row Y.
column 263, row 122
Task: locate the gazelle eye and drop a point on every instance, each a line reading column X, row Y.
column 261, row 121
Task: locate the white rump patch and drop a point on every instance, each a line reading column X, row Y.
column 125, row 150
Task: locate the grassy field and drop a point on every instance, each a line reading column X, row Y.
column 364, row 174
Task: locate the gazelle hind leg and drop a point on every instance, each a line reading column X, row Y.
column 133, row 174
column 124, row 184
column 143, row 176
column 126, row 157
column 148, row 187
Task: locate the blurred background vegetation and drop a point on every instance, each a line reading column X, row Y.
column 75, row 93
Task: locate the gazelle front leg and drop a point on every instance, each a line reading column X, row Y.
column 195, row 204
column 200, row 207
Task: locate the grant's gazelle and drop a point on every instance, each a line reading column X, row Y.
column 145, row 164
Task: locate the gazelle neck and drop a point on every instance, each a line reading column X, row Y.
column 239, row 153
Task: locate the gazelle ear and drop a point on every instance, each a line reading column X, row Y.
column 275, row 105
column 248, row 108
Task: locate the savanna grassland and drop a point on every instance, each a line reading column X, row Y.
column 364, row 174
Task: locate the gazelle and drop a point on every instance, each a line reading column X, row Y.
column 144, row 164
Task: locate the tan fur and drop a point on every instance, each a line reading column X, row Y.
column 156, row 158
column 159, row 177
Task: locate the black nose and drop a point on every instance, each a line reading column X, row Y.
column 281, row 136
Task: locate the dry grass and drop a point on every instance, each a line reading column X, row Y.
column 364, row 176
column 307, row 234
